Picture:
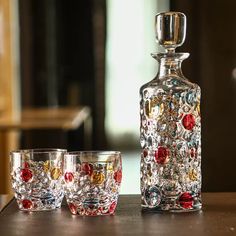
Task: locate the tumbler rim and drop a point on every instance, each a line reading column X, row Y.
column 100, row 152
column 38, row 150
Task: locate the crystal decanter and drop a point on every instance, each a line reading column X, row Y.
column 170, row 130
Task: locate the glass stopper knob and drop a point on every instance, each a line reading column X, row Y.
column 170, row 30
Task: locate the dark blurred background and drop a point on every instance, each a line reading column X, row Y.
column 60, row 65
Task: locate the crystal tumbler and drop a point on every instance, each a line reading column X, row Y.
column 37, row 179
column 92, row 181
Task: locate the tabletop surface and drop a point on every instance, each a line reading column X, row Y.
column 218, row 217
column 47, row 118
column 4, row 200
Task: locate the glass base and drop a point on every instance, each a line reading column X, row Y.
column 91, row 209
column 165, row 208
column 39, row 209
column 39, row 204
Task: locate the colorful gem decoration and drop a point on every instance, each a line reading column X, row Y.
column 109, row 167
column 26, row 174
column 188, row 121
column 55, row 173
column 192, row 152
column 192, row 175
column 26, row 165
column 96, row 186
column 27, row 204
column 162, row 155
column 73, row 208
column 145, row 153
column 154, row 108
column 69, row 177
column 152, row 196
column 87, row 168
column 97, row 178
column 171, row 155
column 36, row 189
column 186, row 200
column 112, row 208
column 48, row 199
column 90, row 207
column 118, row 176
column 46, row 166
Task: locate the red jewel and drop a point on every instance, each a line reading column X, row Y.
column 162, row 155
column 186, row 200
column 145, row 153
column 73, row 208
column 68, row 177
column 87, row 168
column 188, row 121
column 26, row 174
column 112, row 207
column 192, row 152
column 100, row 209
column 118, row 176
column 26, row 165
column 27, row 204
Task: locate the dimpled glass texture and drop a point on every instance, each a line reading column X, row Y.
column 37, row 180
column 170, row 137
column 92, row 182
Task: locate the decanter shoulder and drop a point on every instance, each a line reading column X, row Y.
column 170, row 84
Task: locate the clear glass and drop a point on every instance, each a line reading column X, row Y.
column 170, row 136
column 92, row 182
column 37, row 179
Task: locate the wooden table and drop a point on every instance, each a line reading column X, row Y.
column 60, row 119
column 64, row 118
column 4, row 200
column 218, row 217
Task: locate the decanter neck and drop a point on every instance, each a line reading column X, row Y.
column 170, row 64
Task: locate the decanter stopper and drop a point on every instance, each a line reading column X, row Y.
column 170, row 30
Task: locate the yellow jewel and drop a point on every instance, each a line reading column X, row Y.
column 97, row 178
column 154, row 101
column 109, row 167
column 192, row 175
column 156, row 110
column 55, row 173
column 46, row 166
